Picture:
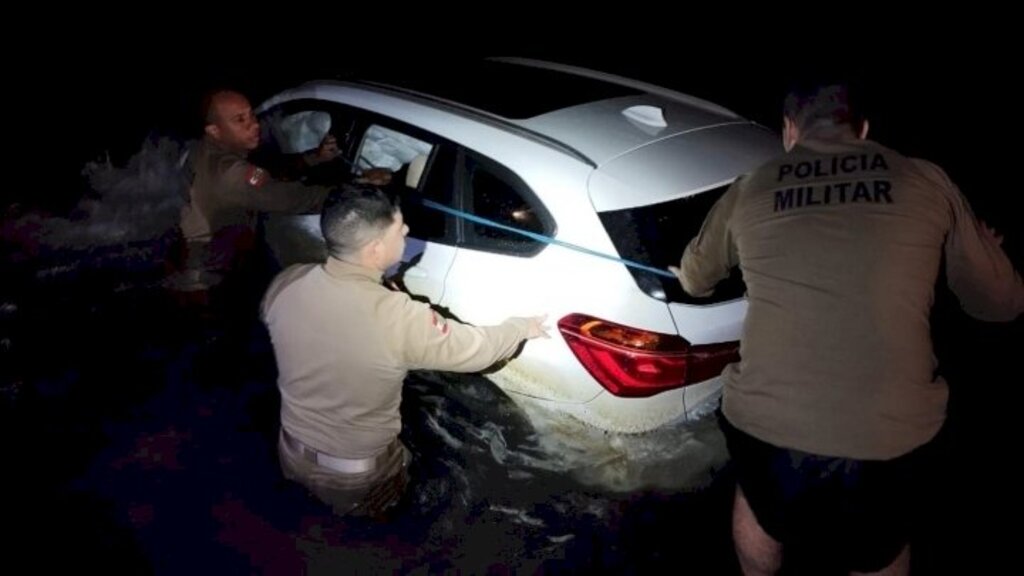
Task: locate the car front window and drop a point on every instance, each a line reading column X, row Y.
column 387, row 148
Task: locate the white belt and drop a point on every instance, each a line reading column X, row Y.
column 343, row 465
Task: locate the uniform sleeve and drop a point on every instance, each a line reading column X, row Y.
column 977, row 269
column 710, row 256
column 429, row 341
column 252, row 187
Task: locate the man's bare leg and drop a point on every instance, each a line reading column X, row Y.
column 758, row 552
column 899, row 567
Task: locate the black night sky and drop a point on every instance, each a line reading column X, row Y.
column 92, row 92
column 935, row 99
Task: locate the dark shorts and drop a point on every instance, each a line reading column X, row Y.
column 858, row 510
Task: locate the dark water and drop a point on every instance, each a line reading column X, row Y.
column 152, row 448
column 141, row 439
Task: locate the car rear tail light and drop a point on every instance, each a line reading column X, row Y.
column 635, row 363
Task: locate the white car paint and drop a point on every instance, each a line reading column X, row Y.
column 623, row 161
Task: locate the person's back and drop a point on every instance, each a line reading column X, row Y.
column 344, row 343
column 326, row 321
column 829, row 412
column 840, row 243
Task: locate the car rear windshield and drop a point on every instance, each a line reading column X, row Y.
column 657, row 234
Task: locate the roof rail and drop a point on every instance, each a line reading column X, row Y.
column 461, row 110
column 621, row 81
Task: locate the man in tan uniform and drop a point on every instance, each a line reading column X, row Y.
column 218, row 222
column 840, row 242
column 344, row 343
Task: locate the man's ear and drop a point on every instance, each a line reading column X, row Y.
column 375, row 250
column 790, row 133
column 863, row 129
column 213, row 131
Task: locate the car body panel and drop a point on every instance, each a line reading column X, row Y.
column 575, row 162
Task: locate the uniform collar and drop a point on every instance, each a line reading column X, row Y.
column 217, row 148
column 341, row 269
column 832, row 143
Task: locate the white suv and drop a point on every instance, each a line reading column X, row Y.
column 541, row 188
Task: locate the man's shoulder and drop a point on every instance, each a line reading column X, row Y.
column 396, row 302
column 409, row 321
column 401, row 310
column 232, row 168
column 926, row 170
column 215, row 157
column 286, row 278
column 768, row 169
column 929, row 169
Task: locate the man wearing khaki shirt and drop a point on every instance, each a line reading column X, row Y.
column 344, row 343
column 836, row 395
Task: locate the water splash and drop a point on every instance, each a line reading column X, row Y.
column 125, row 211
column 528, row 439
column 138, row 202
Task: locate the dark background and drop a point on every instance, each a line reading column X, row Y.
column 79, row 93
column 940, row 98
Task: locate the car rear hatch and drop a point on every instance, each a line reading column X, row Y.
column 653, row 200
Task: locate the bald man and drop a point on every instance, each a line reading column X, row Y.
column 218, row 223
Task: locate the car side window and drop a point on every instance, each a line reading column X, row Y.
column 385, row 147
column 433, row 181
column 497, row 194
column 297, row 127
column 423, row 165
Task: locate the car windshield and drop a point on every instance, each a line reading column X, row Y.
column 657, row 234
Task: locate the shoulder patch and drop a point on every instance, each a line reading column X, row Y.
column 439, row 322
column 255, row 176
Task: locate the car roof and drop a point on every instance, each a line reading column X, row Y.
column 682, row 165
column 595, row 115
column 605, row 128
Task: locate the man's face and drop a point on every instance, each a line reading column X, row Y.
column 234, row 125
column 393, row 241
